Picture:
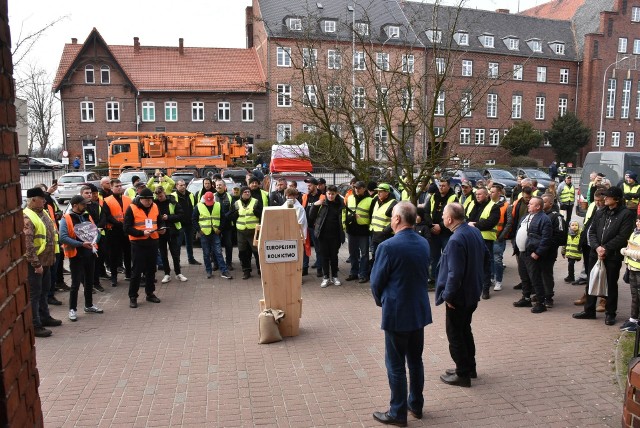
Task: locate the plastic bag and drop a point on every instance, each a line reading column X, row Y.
column 598, row 280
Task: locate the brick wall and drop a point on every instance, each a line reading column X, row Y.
column 631, row 409
column 19, row 399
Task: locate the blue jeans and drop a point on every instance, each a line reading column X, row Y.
column 186, row 236
column 359, row 255
column 316, row 246
column 211, row 247
column 401, row 347
column 498, row 253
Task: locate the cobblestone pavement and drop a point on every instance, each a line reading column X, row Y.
column 193, row 360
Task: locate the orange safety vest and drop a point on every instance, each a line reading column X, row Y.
column 139, row 217
column 69, row 250
column 503, row 214
column 52, row 215
column 116, row 210
column 306, row 195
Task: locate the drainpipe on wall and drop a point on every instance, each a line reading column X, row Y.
column 575, row 108
column 137, row 114
column 64, row 126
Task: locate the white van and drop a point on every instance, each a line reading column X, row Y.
column 611, row 164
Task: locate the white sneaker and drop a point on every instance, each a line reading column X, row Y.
column 72, row 315
column 336, row 281
column 325, row 283
column 166, row 279
column 498, row 286
column 180, row 277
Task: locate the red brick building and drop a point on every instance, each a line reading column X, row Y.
column 147, row 88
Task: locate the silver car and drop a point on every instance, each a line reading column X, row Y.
column 69, row 184
column 196, row 185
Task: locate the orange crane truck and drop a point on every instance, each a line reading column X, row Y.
column 171, row 151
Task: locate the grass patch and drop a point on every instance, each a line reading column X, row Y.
column 624, row 353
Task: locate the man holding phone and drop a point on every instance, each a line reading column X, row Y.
column 161, row 180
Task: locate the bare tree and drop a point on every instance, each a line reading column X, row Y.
column 42, row 110
column 24, row 43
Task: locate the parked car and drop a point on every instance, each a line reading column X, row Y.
column 543, row 178
column 69, row 184
column 35, row 164
column 52, row 163
column 270, row 180
column 196, row 185
column 186, row 175
column 501, row 176
column 126, row 176
column 458, row 175
column 239, row 175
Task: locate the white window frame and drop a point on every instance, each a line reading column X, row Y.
column 615, row 139
column 541, row 74
column 382, row 139
column 284, row 95
column 112, row 111
column 334, row 96
column 466, row 163
column 310, row 97
column 105, row 68
column 309, row 58
column 359, row 61
column 512, row 43
column 462, row 38
column 622, row 45
column 558, row 48
column 638, row 101
column 359, row 97
column 336, row 129
column 563, row 105
column 540, row 107
column 600, row 137
column 516, row 107
column 87, row 111
column 488, row 41
column 493, row 70
column 635, row 14
column 197, row 111
column 467, row 68
column 465, row 136
column 334, row 59
column 248, row 113
column 564, row 76
column 89, row 74
column 494, row 137
column 630, row 140
column 535, row 45
column 359, row 139
column 610, row 108
column 361, row 28
column 382, row 61
column 626, row 99
column 283, row 132
column 440, row 104
column 479, row 136
column 492, row 105
column 224, row 111
column 295, row 24
column 393, row 32
column 148, row 111
column 406, row 99
column 434, row 35
column 441, row 65
column 309, row 128
column 408, row 63
column 466, row 107
column 636, row 46
column 329, row 26
column 490, row 162
column 518, row 71
column 169, row 108
column 283, row 55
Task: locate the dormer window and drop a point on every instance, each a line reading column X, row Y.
column 329, row 26
column 361, row 28
column 535, row 45
column 461, row 38
column 512, row 43
column 434, row 36
column 295, row 24
column 487, row 41
column 557, row 47
column 393, row 32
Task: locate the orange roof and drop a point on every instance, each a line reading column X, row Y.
column 164, row 69
column 556, row 9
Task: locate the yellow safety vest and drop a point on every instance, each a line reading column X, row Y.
column 246, row 217
column 631, row 203
column 590, row 210
column 208, row 220
column 405, row 195
column 130, row 192
column 488, row 235
column 571, row 249
column 568, row 195
column 40, row 234
column 451, row 199
column 633, row 263
column 379, row 220
column 468, row 204
column 172, row 210
column 361, row 209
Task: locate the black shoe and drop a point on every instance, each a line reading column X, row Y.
column 485, row 295
column 50, row 322
column 194, row 262
column 153, row 298
column 215, row 268
column 548, row 303
column 538, row 308
column 517, row 286
column 99, row 287
column 246, row 274
column 319, row 274
column 584, row 315
column 209, row 275
column 580, row 281
column 62, row 286
column 305, row 271
column 523, row 303
column 226, row 275
column 363, row 280
column 230, row 266
column 351, row 278
column 416, row 414
column 472, row 374
column 43, row 332
column 114, row 284
column 54, row 301
column 105, row 276
column 133, row 303
column 383, row 417
column 610, row 319
column 456, row 380
column 569, row 279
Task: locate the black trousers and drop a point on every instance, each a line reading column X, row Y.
column 119, row 249
column 486, row 279
column 613, row 273
column 531, row 276
column 329, row 246
column 143, row 257
column 82, row 267
column 246, row 249
column 170, row 239
column 546, row 272
column 462, row 347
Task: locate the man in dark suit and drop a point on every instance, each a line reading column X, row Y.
column 459, row 285
column 398, row 281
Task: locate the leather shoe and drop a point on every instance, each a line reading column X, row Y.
column 50, row 322
column 610, row 319
column 53, row 301
column 456, row 380
column 133, row 303
column 351, row 277
column 584, row 316
column 383, row 417
column 153, row 298
column 472, row 374
column 416, row 414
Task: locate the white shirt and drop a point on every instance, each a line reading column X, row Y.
column 302, row 216
column 523, row 231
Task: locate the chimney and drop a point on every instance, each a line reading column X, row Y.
column 506, row 11
column 136, row 45
column 181, row 46
column 74, row 41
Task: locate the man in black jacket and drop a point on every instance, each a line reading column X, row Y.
column 225, row 200
column 439, row 233
column 326, row 215
column 558, row 239
column 484, row 216
column 171, row 213
column 187, row 202
column 607, row 236
column 358, row 221
column 277, row 198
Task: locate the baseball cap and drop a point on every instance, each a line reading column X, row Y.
column 614, row 192
column 384, row 187
column 322, row 181
column 139, row 184
column 312, row 181
column 208, row 199
column 601, row 175
column 77, row 199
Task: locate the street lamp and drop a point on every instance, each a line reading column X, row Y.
column 604, row 80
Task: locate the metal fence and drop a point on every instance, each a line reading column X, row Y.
column 333, row 176
column 33, row 178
